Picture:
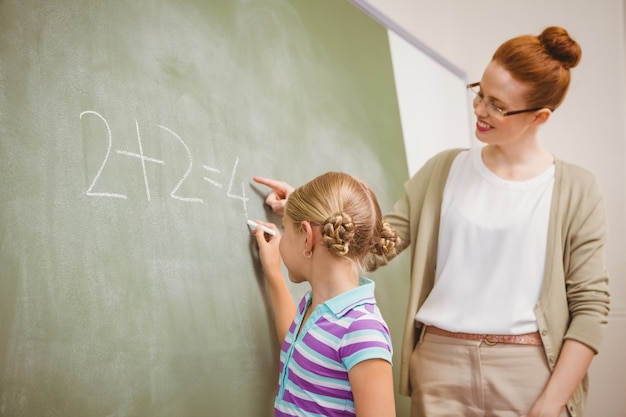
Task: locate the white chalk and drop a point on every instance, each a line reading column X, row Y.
column 265, row 229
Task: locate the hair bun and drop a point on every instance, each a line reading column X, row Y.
column 561, row 46
column 389, row 239
column 337, row 233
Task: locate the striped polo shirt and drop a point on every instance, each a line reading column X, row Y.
column 342, row 332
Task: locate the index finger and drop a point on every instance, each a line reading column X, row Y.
column 280, row 188
column 273, row 184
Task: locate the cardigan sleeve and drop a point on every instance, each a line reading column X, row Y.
column 586, row 276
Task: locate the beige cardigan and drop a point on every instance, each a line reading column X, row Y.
column 574, row 300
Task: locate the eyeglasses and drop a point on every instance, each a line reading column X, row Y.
column 492, row 109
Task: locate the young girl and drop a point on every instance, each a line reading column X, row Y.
column 336, row 350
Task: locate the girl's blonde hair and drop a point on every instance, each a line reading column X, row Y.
column 348, row 212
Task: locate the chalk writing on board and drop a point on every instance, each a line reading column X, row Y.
column 147, row 159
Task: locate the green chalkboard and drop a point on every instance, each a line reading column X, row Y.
column 130, row 131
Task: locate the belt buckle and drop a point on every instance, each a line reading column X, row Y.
column 488, row 342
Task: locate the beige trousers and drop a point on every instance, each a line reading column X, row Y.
column 465, row 378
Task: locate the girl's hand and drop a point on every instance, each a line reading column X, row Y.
column 269, row 253
column 277, row 198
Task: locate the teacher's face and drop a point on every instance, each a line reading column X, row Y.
column 499, row 93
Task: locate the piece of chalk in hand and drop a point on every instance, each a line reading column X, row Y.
column 267, row 230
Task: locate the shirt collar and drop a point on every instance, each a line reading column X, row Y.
column 363, row 294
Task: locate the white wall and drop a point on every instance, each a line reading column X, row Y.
column 433, row 103
column 589, row 129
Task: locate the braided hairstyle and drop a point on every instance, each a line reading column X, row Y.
column 543, row 63
column 348, row 212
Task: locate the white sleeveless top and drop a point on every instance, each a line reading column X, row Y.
column 491, row 254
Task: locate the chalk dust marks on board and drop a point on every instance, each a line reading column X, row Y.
column 303, row 95
column 255, row 88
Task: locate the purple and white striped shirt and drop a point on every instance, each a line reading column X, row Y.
column 339, row 334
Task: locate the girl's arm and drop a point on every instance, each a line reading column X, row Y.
column 282, row 304
column 372, row 387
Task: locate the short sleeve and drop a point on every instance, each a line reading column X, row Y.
column 367, row 338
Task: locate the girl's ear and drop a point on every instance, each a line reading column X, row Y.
column 310, row 237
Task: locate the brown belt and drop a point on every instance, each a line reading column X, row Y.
column 491, row 339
